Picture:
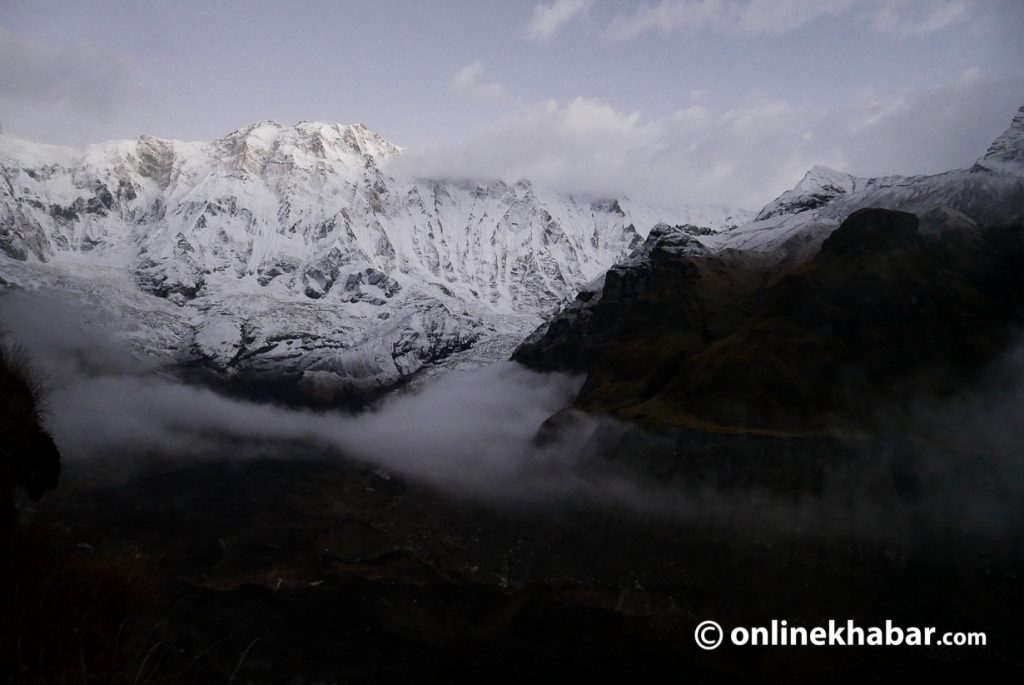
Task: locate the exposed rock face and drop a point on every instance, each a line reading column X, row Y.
column 670, row 260
column 290, row 249
column 872, row 231
column 28, row 455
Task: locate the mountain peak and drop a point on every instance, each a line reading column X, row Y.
column 819, row 186
column 1006, row 153
column 253, row 145
column 819, row 177
column 357, row 137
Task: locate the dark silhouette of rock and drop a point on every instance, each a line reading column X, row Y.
column 28, row 456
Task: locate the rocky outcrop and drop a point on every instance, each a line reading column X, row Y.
column 28, row 456
column 575, row 338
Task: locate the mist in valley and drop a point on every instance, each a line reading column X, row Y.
column 117, row 416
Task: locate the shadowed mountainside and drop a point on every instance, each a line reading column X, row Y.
column 891, row 310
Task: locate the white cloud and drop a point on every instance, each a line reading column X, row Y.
column 723, row 16
column 741, row 157
column 917, row 18
column 547, row 20
column 470, row 79
column 781, row 16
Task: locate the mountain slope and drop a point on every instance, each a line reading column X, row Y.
column 840, row 301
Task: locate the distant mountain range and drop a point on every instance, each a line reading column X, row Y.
column 289, row 251
column 283, row 252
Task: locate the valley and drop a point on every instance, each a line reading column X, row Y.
column 294, row 448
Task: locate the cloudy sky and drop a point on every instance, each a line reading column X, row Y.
column 697, row 101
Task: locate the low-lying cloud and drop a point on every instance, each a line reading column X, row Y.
column 473, row 434
column 469, row 431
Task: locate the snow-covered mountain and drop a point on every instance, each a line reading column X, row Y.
column 818, row 187
column 896, row 290
column 289, row 249
column 793, row 226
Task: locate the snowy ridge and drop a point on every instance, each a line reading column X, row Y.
column 820, row 186
column 793, row 226
column 1006, row 154
column 288, row 248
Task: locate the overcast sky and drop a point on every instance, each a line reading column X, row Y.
column 698, row 101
